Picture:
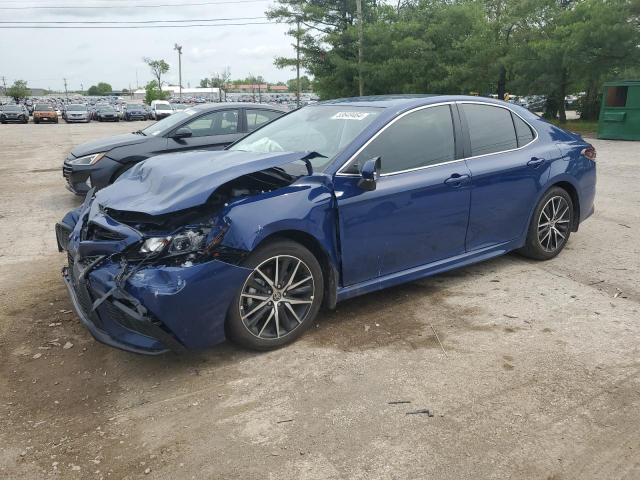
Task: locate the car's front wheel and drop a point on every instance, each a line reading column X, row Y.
column 279, row 300
column 550, row 226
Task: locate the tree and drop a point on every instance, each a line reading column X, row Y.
column 158, row 68
column 220, row 80
column 152, row 92
column 18, row 90
column 101, row 89
column 305, row 84
column 549, row 47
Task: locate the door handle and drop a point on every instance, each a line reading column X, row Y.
column 535, row 162
column 456, row 180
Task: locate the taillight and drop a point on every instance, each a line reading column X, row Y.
column 589, row 152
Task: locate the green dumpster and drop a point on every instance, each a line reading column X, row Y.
column 620, row 111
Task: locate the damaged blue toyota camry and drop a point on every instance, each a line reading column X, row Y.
column 328, row 202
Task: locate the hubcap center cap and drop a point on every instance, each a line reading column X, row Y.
column 277, row 296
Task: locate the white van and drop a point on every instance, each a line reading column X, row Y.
column 160, row 109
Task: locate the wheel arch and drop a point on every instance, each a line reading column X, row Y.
column 311, row 243
column 575, row 200
column 566, row 183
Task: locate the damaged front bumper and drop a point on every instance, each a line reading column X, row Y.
column 149, row 309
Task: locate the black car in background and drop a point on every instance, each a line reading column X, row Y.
column 204, row 127
column 134, row 111
column 107, row 114
column 14, row 113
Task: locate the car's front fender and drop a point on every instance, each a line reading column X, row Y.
column 307, row 206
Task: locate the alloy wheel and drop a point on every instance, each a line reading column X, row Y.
column 554, row 223
column 277, row 297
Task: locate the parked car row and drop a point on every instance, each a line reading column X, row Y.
column 205, row 127
column 248, row 241
column 14, row 113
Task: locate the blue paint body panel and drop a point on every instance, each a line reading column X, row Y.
column 411, row 225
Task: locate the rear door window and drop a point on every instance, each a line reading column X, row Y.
column 257, row 118
column 419, row 139
column 223, row 122
column 491, row 129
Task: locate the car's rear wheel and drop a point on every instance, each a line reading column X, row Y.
column 550, row 226
column 279, row 300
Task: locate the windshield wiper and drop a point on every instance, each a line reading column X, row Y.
column 307, row 160
column 139, row 132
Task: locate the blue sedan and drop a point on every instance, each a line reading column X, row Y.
column 326, row 203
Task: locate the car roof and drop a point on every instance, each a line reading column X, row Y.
column 225, row 105
column 401, row 102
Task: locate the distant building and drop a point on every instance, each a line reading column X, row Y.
column 257, row 87
column 174, row 91
column 38, row 92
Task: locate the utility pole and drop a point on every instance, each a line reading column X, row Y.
column 4, row 85
column 179, row 49
column 298, row 64
column 81, row 89
column 360, row 36
column 66, row 94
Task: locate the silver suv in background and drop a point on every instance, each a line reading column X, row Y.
column 76, row 113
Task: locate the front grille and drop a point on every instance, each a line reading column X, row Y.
column 66, row 171
column 149, row 329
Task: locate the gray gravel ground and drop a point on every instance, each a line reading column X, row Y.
column 540, row 379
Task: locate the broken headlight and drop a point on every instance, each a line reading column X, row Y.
column 190, row 240
column 187, row 241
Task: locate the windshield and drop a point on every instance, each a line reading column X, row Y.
column 11, row 108
column 44, row 108
column 179, row 106
column 168, row 123
column 133, row 106
column 325, row 129
column 107, row 109
column 162, row 106
column 76, row 108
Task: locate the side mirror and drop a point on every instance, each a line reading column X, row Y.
column 370, row 172
column 182, row 132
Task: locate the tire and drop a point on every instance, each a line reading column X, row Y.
column 36, row 121
column 258, row 328
column 544, row 242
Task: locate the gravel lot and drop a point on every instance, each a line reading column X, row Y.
column 540, row 379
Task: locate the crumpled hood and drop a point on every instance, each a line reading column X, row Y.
column 106, row 144
column 173, row 182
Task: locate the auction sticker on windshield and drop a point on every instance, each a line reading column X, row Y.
column 350, row 116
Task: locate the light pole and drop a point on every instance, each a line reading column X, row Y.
column 179, row 49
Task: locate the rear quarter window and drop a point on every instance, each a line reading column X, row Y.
column 491, row 129
column 524, row 134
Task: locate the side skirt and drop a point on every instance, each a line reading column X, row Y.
column 427, row 270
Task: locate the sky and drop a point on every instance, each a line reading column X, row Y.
column 43, row 57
